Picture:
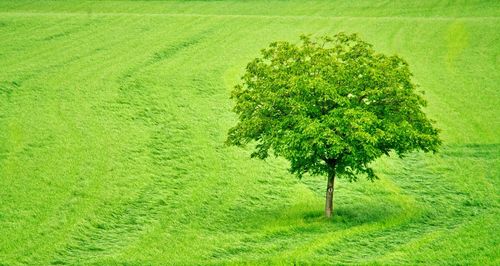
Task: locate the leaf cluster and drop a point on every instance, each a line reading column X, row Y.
column 330, row 105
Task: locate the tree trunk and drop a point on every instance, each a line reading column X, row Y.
column 329, row 195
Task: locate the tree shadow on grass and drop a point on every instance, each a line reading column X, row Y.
column 357, row 214
column 367, row 213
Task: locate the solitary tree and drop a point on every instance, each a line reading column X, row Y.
column 330, row 106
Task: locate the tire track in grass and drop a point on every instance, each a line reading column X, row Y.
column 444, row 208
column 415, row 223
column 339, row 232
column 108, row 234
column 315, row 235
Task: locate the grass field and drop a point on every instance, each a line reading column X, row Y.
column 113, row 116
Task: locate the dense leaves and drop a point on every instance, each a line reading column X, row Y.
column 330, row 105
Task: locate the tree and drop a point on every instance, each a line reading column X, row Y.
column 330, row 106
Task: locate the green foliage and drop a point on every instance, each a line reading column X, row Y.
column 330, row 105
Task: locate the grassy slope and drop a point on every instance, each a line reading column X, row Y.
column 113, row 114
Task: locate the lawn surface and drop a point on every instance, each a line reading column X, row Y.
column 113, row 116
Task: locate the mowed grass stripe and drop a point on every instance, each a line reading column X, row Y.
column 51, row 52
column 426, row 8
column 231, row 16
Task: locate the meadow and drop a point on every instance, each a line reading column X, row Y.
column 113, row 116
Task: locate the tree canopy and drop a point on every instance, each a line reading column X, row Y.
column 330, row 105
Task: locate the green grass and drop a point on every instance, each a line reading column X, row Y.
column 113, row 116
